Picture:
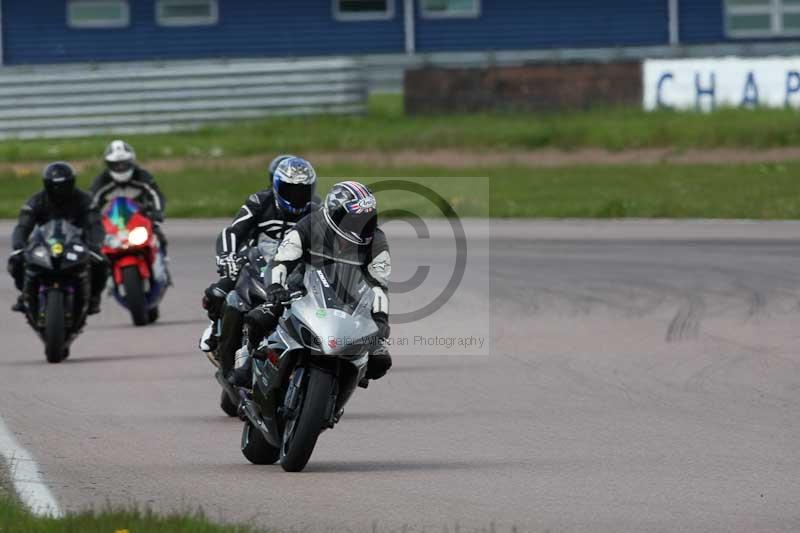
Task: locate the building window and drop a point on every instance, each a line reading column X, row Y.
column 363, row 9
column 450, row 8
column 762, row 18
column 98, row 13
column 186, row 12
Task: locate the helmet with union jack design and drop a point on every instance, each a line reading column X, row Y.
column 351, row 211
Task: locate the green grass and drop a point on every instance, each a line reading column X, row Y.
column 386, row 128
column 758, row 191
column 15, row 519
column 694, row 191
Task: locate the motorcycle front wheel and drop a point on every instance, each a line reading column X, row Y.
column 301, row 435
column 55, row 334
column 134, row 295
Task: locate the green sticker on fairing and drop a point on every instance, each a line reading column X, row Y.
column 322, row 313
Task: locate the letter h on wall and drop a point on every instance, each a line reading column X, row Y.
column 701, row 91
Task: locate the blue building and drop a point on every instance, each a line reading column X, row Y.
column 79, row 31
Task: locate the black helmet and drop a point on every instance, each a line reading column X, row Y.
column 273, row 165
column 59, row 181
column 351, row 210
column 294, row 183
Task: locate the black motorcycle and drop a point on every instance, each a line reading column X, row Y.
column 57, row 286
column 250, row 292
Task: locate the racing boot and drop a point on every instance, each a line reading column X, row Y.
column 379, row 362
column 19, row 305
column 209, row 341
column 94, row 305
column 240, row 377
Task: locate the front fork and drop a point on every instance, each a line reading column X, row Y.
column 69, row 304
column 293, row 400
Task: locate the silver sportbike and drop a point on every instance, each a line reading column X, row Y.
column 305, row 372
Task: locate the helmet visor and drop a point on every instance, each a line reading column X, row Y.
column 60, row 189
column 361, row 226
column 297, row 194
column 120, row 166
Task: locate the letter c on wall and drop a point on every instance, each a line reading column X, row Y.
column 660, row 104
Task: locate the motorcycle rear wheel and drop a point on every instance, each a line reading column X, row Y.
column 55, row 330
column 227, row 406
column 256, row 448
column 134, row 295
column 299, row 442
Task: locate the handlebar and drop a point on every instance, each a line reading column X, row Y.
column 293, row 297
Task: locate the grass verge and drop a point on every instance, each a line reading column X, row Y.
column 15, row 519
column 756, row 191
column 386, row 128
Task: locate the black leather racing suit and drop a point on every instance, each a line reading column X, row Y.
column 142, row 188
column 76, row 210
column 258, row 219
column 313, row 242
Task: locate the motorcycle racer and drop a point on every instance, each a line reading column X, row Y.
column 59, row 199
column 124, row 177
column 269, row 215
column 345, row 231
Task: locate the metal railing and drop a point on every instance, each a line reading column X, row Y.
column 145, row 98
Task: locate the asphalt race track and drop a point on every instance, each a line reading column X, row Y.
column 634, row 376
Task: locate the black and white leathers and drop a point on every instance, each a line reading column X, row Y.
column 313, row 242
column 258, row 219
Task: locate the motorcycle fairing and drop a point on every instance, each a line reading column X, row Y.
column 324, row 311
column 121, row 217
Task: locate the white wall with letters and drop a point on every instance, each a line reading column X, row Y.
column 705, row 84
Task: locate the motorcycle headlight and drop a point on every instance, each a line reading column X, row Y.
column 41, row 252
column 41, row 255
column 138, row 236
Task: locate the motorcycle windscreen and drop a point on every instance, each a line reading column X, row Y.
column 56, row 230
column 56, row 240
column 120, row 211
column 342, row 285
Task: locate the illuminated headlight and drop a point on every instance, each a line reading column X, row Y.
column 138, row 236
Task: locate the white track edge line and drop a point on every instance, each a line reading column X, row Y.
column 24, row 473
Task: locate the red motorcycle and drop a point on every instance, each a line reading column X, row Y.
column 138, row 269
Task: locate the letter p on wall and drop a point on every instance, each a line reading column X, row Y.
column 792, row 88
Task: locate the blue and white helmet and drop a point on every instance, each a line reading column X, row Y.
column 294, row 183
column 273, row 165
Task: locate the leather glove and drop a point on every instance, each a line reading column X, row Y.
column 277, row 294
column 228, row 265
